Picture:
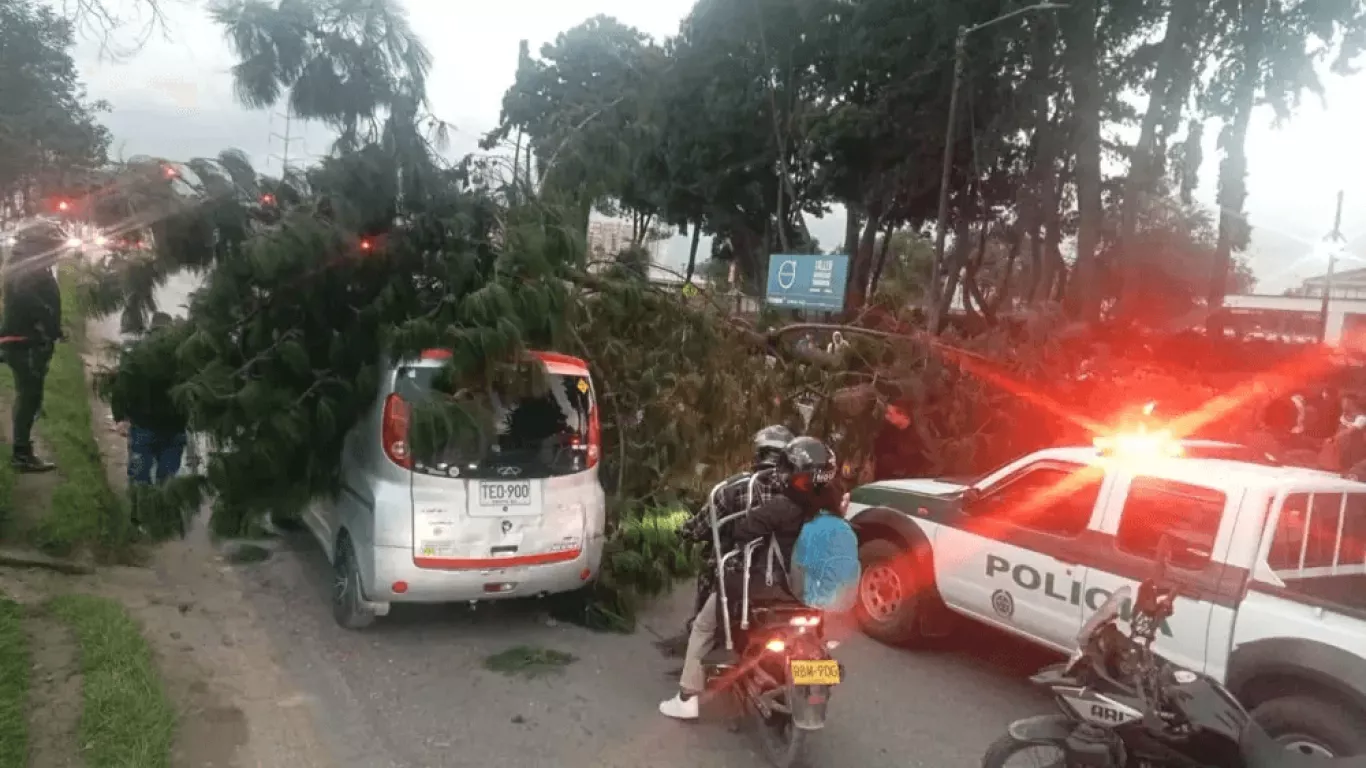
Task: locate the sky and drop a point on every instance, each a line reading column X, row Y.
column 173, row 99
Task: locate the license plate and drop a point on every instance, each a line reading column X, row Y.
column 815, row 672
column 505, row 494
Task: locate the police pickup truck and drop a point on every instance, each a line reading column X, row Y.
column 1271, row 574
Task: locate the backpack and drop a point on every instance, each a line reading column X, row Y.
column 825, row 566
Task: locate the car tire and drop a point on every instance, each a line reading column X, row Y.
column 998, row 754
column 348, row 601
column 1301, row 721
column 889, row 593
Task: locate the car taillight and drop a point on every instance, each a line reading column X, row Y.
column 594, row 438
column 394, row 432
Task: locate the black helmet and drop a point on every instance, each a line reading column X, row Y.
column 769, row 443
column 807, row 464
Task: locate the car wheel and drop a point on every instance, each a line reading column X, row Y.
column 348, row 601
column 1311, row 726
column 888, row 593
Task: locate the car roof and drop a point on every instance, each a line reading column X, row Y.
column 1207, row 471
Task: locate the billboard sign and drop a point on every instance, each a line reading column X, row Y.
column 807, row 281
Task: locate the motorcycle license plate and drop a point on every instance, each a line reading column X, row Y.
column 815, row 672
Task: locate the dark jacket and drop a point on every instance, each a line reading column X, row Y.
column 140, row 390
column 781, row 518
column 33, row 304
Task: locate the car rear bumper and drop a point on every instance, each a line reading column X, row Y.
column 394, row 566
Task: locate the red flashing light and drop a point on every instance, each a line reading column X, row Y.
column 436, row 354
column 63, row 206
column 366, row 245
column 169, row 172
column 268, row 199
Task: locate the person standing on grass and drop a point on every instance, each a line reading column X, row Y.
column 140, row 398
column 31, row 328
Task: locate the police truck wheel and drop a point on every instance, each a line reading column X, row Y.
column 1312, row 726
column 888, row 593
column 348, row 601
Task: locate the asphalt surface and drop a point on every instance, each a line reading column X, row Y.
column 412, row 691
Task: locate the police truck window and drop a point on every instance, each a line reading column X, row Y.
column 1155, row 508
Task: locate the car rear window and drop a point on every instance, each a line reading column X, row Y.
column 541, row 430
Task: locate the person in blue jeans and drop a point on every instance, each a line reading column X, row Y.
column 140, row 395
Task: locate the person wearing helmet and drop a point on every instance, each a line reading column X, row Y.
column 734, row 497
column 806, row 471
column 32, row 326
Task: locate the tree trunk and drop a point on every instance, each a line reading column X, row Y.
column 692, row 249
column 881, row 258
column 1054, row 269
column 1085, row 293
column 962, row 251
column 1001, row 303
column 1047, row 140
column 971, row 287
column 1233, row 168
column 1143, row 169
column 861, row 264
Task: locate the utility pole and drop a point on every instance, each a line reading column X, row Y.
column 960, row 46
column 960, row 53
column 285, row 139
column 1334, row 241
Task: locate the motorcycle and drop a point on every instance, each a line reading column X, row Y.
column 1122, row 705
column 781, row 677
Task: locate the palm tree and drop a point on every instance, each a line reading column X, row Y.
column 356, row 65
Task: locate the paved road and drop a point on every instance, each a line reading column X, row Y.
column 411, row 692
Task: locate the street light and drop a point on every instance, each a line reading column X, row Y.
column 1331, row 246
column 960, row 47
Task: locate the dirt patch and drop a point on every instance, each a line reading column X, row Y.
column 237, row 707
column 54, row 694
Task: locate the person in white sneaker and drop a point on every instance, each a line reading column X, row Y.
column 805, row 469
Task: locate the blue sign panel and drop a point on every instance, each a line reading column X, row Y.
column 801, row 281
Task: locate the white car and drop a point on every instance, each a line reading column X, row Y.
column 521, row 516
column 1274, row 605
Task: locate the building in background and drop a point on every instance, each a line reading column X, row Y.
column 1346, row 285
column 608, row 237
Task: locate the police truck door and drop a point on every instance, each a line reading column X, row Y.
column 1151, row 508
column 1015, row 558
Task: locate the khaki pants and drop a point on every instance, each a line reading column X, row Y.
column 701, row 640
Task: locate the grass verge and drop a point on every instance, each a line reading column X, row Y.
column 528, row 661
column 7, row 475
column 126, row 721
column 14, row 669
column 85, row 510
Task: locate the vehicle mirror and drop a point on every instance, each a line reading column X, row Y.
column 971, row 497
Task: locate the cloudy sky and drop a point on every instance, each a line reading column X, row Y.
column 174, row 99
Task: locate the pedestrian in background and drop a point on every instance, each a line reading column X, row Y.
column 31, row 328
column 140, row 396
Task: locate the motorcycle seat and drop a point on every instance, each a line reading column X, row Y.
column 1261, row 751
